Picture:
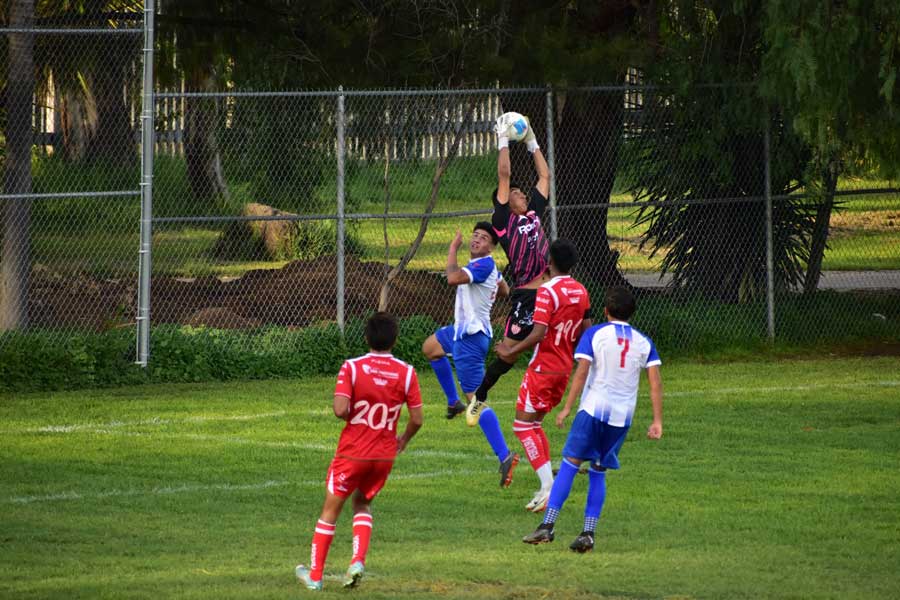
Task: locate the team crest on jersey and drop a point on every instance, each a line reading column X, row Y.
column 514, row 328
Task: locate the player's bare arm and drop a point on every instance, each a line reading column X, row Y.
column 655, row 430
column 504, row 174
column 413, row 424
column 502, row 289
column 341, row 406
column 509, row 352
column 575, row 389
column 455, row 275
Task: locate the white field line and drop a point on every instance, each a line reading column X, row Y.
column 154, row 421
column 269, row 444
column 783, row 388
column 215, row 487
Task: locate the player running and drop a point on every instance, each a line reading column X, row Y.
column 610, row 358
column 468, row 339
column 517, row 221
column 371, row 390
column 562, row 311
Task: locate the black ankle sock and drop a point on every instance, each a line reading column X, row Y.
column 495, row 370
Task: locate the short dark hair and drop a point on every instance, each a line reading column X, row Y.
column 619, row 302
column 487, row 227
column 381, row 331
column 564, row 255
column 512, row 184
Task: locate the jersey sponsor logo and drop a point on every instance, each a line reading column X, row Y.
column 528, row 227
column 370, row 370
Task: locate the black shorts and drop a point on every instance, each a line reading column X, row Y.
column 521, row 314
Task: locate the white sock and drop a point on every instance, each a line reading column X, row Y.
column 545, row 473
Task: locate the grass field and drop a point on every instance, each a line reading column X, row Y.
column 772, row 480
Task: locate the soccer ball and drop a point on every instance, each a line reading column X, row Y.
column 513, row 126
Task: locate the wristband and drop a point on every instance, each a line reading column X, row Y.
column 532, row 145
column 502, row 142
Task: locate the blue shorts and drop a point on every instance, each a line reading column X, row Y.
column 469, row 353
column 592, row 439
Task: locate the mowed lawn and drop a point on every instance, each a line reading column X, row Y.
column 772, row 480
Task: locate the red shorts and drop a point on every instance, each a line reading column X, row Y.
column 346, row 475
column 541, row 392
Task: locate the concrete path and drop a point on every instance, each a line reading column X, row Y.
column 830, row 280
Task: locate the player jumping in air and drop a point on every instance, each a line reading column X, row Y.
column 610, row 358
column 517, row 221
column 562, row 311
column 468, row 339
column 371, row 390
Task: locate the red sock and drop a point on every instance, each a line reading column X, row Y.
column 530, row 442
column 321, row 542
column 542, row 436
column 362, row 533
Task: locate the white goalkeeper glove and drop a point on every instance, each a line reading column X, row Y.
column 500, row 128
column 530, row 139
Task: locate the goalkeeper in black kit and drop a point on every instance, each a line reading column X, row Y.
column 517, row 222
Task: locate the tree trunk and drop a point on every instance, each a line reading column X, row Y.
column 819, row 240
column 73, row 119
column 15, row 256
column 587, row 156
column 201, row 148
column 111, row 138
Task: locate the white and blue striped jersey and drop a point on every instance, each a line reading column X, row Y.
column 474, row 299
column 617, row 352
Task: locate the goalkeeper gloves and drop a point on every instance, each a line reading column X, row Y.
column 500, row 128
column 530, row 139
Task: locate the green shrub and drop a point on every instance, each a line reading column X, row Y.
column 45, row 359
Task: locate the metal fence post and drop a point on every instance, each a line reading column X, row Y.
column 770, row 263
column 340, row 208
column 147, row 144
column 551, row 163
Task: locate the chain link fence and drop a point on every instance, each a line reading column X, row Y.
column 290, row 209
column 69, row 150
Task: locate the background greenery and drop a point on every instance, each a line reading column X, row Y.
column 688, row 327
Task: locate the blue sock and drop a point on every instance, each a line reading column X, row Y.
column 444, row 373
column 595, row 497
column 490, row 426
column 562, row 485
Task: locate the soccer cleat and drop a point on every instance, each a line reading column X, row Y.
column 302, row 573
column 542, row 535
column 473, row 411
column 539, row 502
column 583, row 543
column 506, row 469
column 354, row 574
column 454, row 410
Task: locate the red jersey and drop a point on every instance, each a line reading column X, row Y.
column 561, row 304
column 378, row 386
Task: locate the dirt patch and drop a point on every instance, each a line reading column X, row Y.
column 300, row 293
column 844, row 224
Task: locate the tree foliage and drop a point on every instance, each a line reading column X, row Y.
column 833, row 65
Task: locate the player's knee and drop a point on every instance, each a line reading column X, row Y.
column 598, row 467
column 432, row 349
